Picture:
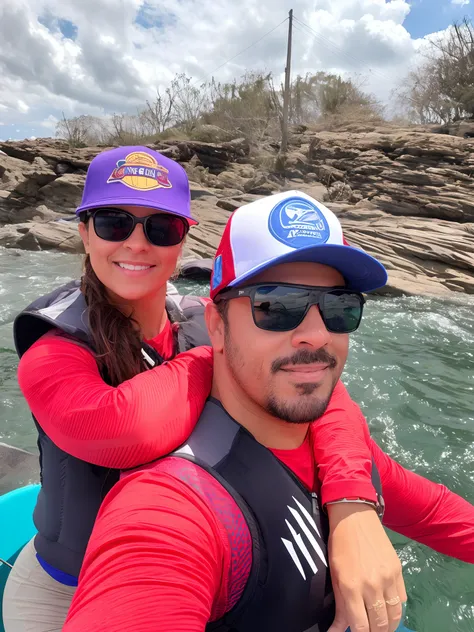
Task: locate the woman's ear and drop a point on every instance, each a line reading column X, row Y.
column 84, row 233
column 215, row 327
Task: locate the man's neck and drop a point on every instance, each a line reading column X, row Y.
column 267, row 430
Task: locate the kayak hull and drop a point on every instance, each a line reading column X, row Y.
column 17, row 528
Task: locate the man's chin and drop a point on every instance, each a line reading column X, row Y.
column 301, row 402
column 301, row 410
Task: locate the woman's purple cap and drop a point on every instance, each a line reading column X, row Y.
column 137, row 176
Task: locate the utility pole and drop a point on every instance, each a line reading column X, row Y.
column 286, row 95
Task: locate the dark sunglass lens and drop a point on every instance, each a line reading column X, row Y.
column 279, row 308
column 341, row 311
column 113, row 225
column 165, row 230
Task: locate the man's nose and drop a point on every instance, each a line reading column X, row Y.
column 312, row 331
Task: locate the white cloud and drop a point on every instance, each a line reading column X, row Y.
column 460, row 3
column 49, row 122
column 22, row 106
column 115, row 64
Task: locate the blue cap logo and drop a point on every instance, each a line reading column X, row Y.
column 217, row 272
column 298, row 223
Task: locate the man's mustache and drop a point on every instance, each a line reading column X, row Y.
column 305, row 356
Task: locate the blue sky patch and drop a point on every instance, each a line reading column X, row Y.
column 431, row 16
column 150, row 17
column 67, row 28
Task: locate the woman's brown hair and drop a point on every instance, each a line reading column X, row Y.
column 115, row 336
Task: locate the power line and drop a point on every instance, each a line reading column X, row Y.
column 337, row 49
column 351, row 60
column 286, row 94
column 242, row 51
column 296, row 27
column 321, row 39
column 203, row 79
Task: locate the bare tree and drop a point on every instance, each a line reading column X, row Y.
column 160, row 113
column 314, row 98
column 249, row 106
column 420, row 97
column 74, row 130
column 190, row 102
column 127, row 129
column 455, row 68
column 441, row 89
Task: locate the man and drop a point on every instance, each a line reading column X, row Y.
column 227, row 533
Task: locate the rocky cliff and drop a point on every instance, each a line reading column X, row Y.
column 404, row 194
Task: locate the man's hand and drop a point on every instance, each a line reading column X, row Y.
column 365, row 570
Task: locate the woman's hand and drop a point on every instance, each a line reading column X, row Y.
column 365, row 570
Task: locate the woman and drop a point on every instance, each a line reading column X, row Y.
column 108, row 370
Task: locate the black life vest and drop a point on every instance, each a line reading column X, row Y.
column 289, row 588
column 72, row 490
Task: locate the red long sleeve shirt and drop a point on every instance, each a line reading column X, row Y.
column 154, row 412
column 160, row 558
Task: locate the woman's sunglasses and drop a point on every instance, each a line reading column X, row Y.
column 115, row 224
column 283, row 306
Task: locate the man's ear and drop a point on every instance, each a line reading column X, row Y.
column 215, row 327
column 84, row 233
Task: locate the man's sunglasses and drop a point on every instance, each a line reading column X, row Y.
column 115, row 224
column 283, row 306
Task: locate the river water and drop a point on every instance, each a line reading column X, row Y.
column 411, row 369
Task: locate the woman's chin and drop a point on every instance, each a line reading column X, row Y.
column 133, row 292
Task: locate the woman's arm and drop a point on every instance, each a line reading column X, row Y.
column 425, row 511
column 157, row 560
column 341, row 450
column 119, row 427
column 364, row 565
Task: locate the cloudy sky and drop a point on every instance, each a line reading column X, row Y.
column 103, row 56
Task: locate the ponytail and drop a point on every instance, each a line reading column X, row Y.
column 115, row 337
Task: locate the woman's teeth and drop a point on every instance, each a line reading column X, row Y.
column 127, row 266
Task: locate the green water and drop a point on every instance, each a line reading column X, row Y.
column 411, row 369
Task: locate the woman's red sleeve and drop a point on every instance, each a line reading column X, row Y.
column 118, row 427
column 340, row 441
column 425, row 511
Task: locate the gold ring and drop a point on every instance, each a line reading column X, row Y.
column 377, row 605
column 393, row 602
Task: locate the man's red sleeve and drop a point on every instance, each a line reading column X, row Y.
column 341, row 450
column 158, row 559
column 425, row 511
column 118, row 427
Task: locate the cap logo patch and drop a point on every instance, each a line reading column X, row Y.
column 140, row 171
column 217, row 272
column 298, row 223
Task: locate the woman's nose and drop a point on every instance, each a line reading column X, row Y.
column 137, row 240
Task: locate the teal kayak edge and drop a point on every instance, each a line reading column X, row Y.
column 16, row 518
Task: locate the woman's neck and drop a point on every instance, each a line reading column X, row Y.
column 149, row 313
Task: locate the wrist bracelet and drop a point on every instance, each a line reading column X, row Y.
column 378, row 506
column 360, row 501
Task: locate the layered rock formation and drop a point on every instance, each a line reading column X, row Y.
column 404, row 195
